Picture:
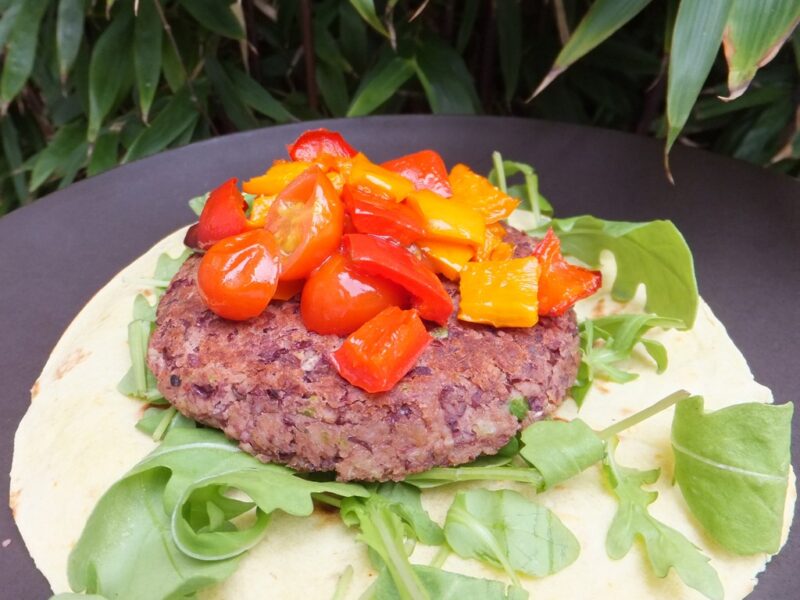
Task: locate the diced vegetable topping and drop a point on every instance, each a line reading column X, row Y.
column 446, row 258
column 476, row 192
column 380, row 352
column 279, row 175
column 425, row 169
column 448, row 220
column 314, row 144
column 372, row 214
column 500, row 293
column 381, row 182
column 223, row 215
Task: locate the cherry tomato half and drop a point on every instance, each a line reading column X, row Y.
column 222, row 216
column 306, row 219
column 338, row 300
column 318, row 142
column 238, row 276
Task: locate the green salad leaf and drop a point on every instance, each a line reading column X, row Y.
column 666, row 547
column 508, row 531
column 608, row 340
column 405, row 501
column 654, row 254
column 444, row 585
column 732, row 466
column 559, row 450
column 527, row 192
column 166, row 528
column 499, row 471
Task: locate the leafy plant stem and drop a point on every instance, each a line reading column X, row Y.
column 327, row 499
column 532, row 182
column 663, row 404
column 440, row 557
column 163, row 424
column 343, row 584
column 500, row 169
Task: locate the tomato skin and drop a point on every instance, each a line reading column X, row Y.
column 425, row 169
column 318, row 142
column 222, row 216
column 380, row 352
column 377, row 256
column 372, row 214
column 338, row 300
column 561, row 284
column 307, row 219
column 238, row 275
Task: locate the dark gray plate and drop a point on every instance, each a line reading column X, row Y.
column 741, row 222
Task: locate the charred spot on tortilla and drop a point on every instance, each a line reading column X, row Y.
column 72, row 361
column 269, row 383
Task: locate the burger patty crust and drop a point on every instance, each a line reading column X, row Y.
column 270, row 384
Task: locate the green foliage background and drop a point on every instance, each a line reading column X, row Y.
column 87, row 85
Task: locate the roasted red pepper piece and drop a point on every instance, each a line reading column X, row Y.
column 377, row 256
column 379, row 353
column 372, row 214
column 318, row 142
column 561, row 284
column 425, row 169
column 222, row 216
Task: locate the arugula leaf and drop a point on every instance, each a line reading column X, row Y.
column 618, row 336
column 165, row 530
column 652, row 253
column 527, row 193
column 405, row 501
column 666, row 548
column 494, row 469
column 198, row 203
column 504, row 529
column 157, row 421
column 444, row 585
column 732, row 466
column 167, row 267
column 559, row 450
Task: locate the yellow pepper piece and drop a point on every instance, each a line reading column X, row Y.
column 501, row 293
column 494, row 236
column 445, row 257
column 476, row 192
column 337, row 179
column 447, row 220
column 383, row 182
column 503, row 251
column 260, row 210
column 279, row 175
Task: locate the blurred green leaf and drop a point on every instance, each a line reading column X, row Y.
column 708, row 108
column 235, row 108
column 216, row 16
column 9, row 16
column 178, row 115
column 105, row 75
column 333, row 88
column 444, row 76
column 327, row 50
column 13, row 155
column 695, row 44
column 467, row 25
column 759, row 142
column 21, row 50
column 755, row 31
column 258, row 98
column 509, row 39
column 353, row 36
column 68, row 142
column 147, row 39
column 603, row 18
column 366, row 8
column 104, row 154
column 69, row 33
column 174, row 73
column 380, row 83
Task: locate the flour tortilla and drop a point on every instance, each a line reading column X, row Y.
column 78, row 438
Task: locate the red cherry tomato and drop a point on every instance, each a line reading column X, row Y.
column 238, row 276
column 318, row 142
column 338, row 300
column 561, row 284
column 425, row 169
column 307, row 220
column 376, row 215
column 377, row 256
column 222, row 216
column 380, row 352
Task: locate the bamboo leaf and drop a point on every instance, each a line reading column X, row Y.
column 695, row 43
column 105, row 75
column 603, row 19
column 69, row 33
column 333, row 88
column 467, row 25
column 147, row 39
column 258, row 98
column 174, row 73
column 366, row 8
column 234, row 107
column 9, row 16
column 509, row 35
column 178, row 115
column 379, row 84
column 755, row 31
column 216, row 16
column 444, row 76
column 13, row 155
column 67, row 142
column 21, row 50
column 104, row 154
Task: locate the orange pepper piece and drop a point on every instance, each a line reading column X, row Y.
column 277, row 177
column 500, row 293
column 494, row 236
column 448, row 220
column 379, row 180
column 259, row 211
column 503, row 251
column 476, row 192
column 445, row 257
